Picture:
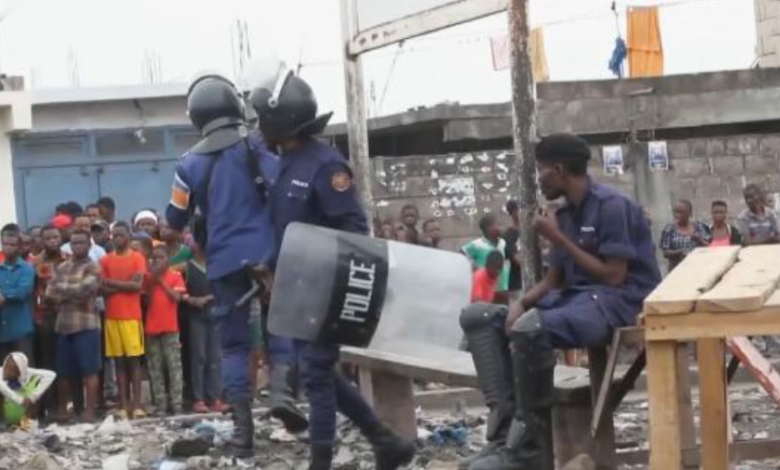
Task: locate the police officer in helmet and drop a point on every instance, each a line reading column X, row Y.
column 315, row 186
column 224, row 179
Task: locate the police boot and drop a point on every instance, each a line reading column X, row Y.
column 283, row 405
column 490, row 353
column 242, row 442
column 529, row 441
column 390, row 450
column 321, row 457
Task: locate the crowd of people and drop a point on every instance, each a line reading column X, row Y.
column 94, row 299
column 90, row 300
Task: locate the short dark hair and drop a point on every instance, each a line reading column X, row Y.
column 512, row 206
column 687, row 203
column 71, row 208
column 106, row 203
column 494, row 258
column 720, row 203
column 91, row 206
column 410, row 207
column 122, row 224
column 428, row 222
column 485, row 222
column 753, row 187
column 81, row 232
column 10, row 229
column 49, row 228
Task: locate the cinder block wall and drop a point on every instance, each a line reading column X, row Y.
column 458, row 189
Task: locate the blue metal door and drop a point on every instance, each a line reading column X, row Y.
column 44, row 188
column 136, row 186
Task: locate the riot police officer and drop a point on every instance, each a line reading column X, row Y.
column 315, row 186
column 225, row 179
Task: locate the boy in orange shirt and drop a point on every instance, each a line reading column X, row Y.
column 123, row 276
column 166, row 287
column 486, row 279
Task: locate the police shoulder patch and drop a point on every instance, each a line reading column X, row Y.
column 341, row 181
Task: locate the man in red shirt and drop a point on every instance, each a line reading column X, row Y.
column 486, row 279
column 163, row 349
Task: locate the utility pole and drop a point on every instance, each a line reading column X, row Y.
column 357, row 125
column 524, row 134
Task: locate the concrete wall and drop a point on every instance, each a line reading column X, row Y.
column 15, row 116
column 768, row 31
column 156, row 112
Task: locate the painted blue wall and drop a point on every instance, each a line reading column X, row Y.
column 135, row 169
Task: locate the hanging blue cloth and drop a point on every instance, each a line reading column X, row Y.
column 618, row 57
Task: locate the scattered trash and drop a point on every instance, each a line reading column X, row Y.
column 116, row 462
column 41, row 461
column 172, row 465
column 580, row 462
column 52, row 443
column 193, row 447
column 444, row 434
column 281, row 435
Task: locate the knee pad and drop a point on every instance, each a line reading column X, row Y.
column 480, row 315
column 529, row 322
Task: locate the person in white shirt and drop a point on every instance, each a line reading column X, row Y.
column 84, row 223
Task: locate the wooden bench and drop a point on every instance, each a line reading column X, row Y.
column 386, row 381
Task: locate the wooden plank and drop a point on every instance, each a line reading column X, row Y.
column 602, row 395
column 712, row 325
column 665, row 438
column 394, row 403
column 757, row 365
column 714, row 418
column 457, row 368
column 603, row 451
column 700, row 270
column 747, row 285
column 366, row 385
column 429, row 21
column 685, row 401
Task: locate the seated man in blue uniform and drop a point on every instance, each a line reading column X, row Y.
column 602, row 266
column 224, row 180
column 315, row 186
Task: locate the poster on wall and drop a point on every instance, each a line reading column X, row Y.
column 613, row 160
column 658, row 156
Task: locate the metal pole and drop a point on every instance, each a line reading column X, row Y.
column 524, row 134
column 357, row 125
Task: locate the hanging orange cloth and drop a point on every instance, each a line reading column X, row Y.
column 645, row 49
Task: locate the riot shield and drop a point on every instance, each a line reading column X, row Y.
column 355, row 290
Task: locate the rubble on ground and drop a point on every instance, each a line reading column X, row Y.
column 445, row 436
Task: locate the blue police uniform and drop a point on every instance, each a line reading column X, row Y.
column 584, row 311
column 239, row 231
column 314, row 186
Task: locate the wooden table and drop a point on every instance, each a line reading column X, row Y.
column 716, row 293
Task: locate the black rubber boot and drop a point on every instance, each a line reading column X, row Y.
column 243, row 441
column 529, row 442
column 492, row 361
column 283, row 405
column 390, row 450
column 321, row 457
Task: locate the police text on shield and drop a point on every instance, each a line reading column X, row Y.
column 359, row 291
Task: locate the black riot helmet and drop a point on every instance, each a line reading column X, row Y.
column 289, row 110
column 217, row 110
